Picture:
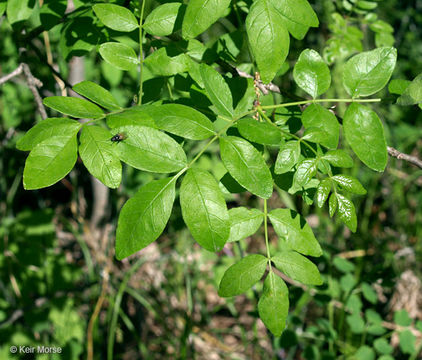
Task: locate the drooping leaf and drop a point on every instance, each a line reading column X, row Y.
column 97, row 94
column 273, row 306
column 218, row 90
column 287, row 157
column 268, row 38
column 323, row 191
column 148, row 149
column 338, row 158
column 413, row 93
column 99, row 156
column 116, row 17
column 349, row 183
column 246, row 165
column 204, row 209
column 347, row 212
column 306, row 170
column 243, row 275
column 319, row 117
column 50, row 161
column 365, row 134
column 144, row 217
column 311, row 73
column 161, row 21
column 119, row 55
column 200, row 15
column 368, row 72
column 297, row 267
column 259, row 132
column 244, row 223
column 78, row 108
column 46, row 129
column 296, row 232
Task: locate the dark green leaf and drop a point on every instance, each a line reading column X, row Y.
column 369, row 293
column 116, row 17
column 78, row 108
column 347, row 212
column 144, row 217
column 246, row 165
column 243, row 275
column 315, row 135
column 365, row 134
column 259, row 132
column 287, row 157
column 356, row 323
column 332, row 204
column 294, row 229
column 365, row 353
column 137, row 115
column 204, row 209
column 306, row 170
column 413, row 93
column 398, row 86
column 348, row 282
column 323, row 191
column 160, row 64
column 119, row 55
column 338, row 158
column 350, row 184
column 97, row 94
column 161, row 21
column 244, row 222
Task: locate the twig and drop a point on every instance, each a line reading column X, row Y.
column 265, row 88
column 401, row 156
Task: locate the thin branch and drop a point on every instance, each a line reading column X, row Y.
column 265, row 88
column 401, row 156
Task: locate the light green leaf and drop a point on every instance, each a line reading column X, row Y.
column 19, row 10
column 402, row 318
column 294, row 229
column 268, row 38
column 46, row 129
column 116, row 17
column 181, row 120
column 161, row 21
column 244, row 223
column 259, row 132
column 217, row 89
column 136, row 115
column 148, row 149
column 413, row 93
column 338, row 158
column 201, row 14
column 323, row 191
column 78, row 108
column 365, row 353
column 315, row 135
column 356, row 324
column 99, row 156
column 3, row 4
column 368, row 72
column 347, row 212
column 398, row 86
column 273, row 306
column 365, row 134
column 144, row 217
column 306, row 170
column 160, row 64
column 204, row 209
column 319, row 117
column 50, row 161
column 287, row 157
column 350, row 184
column 243, row 275
column 119, row 55
column 407, row 342
column 332, row 204
column 382, row 346
column 97, row 94
column 381, row 26
column 311, row 73
column 246, row 165
column 297, row 267
column 369, row 293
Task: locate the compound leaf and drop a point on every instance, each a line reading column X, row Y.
column 161, row 21
column 116, row 17
column 97, row 94
column 287, row 157
column 244, row 223
column 347, row 212
column 119, row 55
column 78, row 108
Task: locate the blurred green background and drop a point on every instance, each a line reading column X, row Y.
column 57, row 244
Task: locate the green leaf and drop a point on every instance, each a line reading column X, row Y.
column 273, row 306
column 398, row 86
column 144, row 217
column 347, row 212
column 365, row 134
column 382, row 346
column 323, row 191
column 338, row 158
column 306, row 170
column 297, row 234
column 119, row 55
column 116, row 17
column 348, row 282
column 287, row 157
column 381, row 26
column 413, row 93
column 402, row 318
column 181, row 120
column 343, row 265
column 365, row 353
column 161, row 21
column 218, row 90
column 311, row 73
column 319, row 117
column 315, row 135
column 368, row 72
column 160, row 64
column 407, row 342
column 259, row 132
column 244, row 223
column 297, row 267
column 50, row 161
column 246, row 165
column 19, row 10
column 204, row 209
column 243, row 275
column 356, row 323
column 99, row 155
column 200, row 15
column 78, row 108
column 97, row 94
column 369, row 293
column 46, row 129
column 349, row 183
column 268, row 38
column 3, row 4
column 136, row 115
column 148, row 149
column 332, row 204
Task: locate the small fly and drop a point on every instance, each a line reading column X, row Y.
column 118, row 137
